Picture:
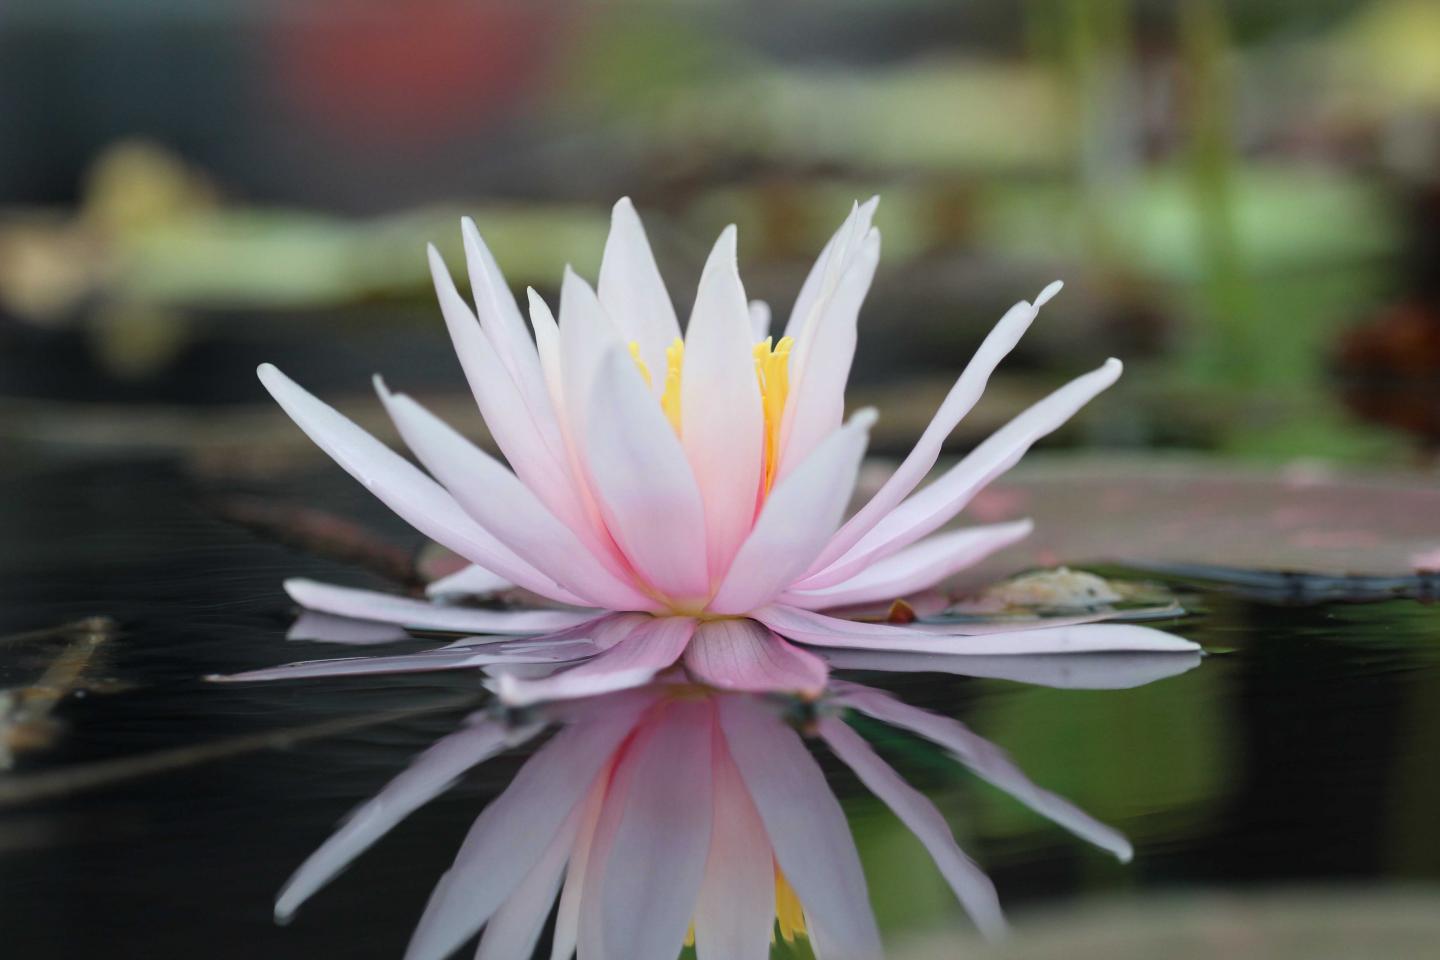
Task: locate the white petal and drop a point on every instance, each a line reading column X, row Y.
column 837, row 254
column 469, row 581
column 971, row 886
column 736, row 654
column 505, row 507
column 420, row 501
column 958, row 402
column 807, row 626
column 512, row 833
column 806, row 826
column 530, row 440
column 426, row 778
column 820, row 361
column 1099, row 671
column 987, row 761
column 632, row 292
column 647, row 492
column 389, row 608
column 502, row 322
column 937, row 503
column 759, row 320
column 722, row 423
column 565, row 938
column 451, row 657
column 648, row 649
column 645, row 873
column 917, row 567
column 736, row 913
column 516, row 926
column 799, row 516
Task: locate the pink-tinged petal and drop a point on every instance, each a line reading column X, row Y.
column 1097, row 671
column 959, row 402
column 806, row 826
column 454, row 657
column 503, row 323
column 633, row 293
column 645, row 872
column 759, row 320
column 935, row 505
column 327, row 628
column 565, row 937
column 986, row 761
column 800, row 514
column 532, row 443
column 471, row 581
column 503, row 505
column 917, row 567
column 632, row 662
column 512, row 833
column 547, row 345
column 427, row 777
column 745, row 655
column 807, row 626
column 837, row 254
column 820, row 362
column 389, row 608
column 644, row 485
column 401, row 486
column 722, row 425
column 736, row 911
column 515, row 928
column 973, row 889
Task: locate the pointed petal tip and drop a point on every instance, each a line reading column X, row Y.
column 378, row 382
column 1049, row 293
column 864, row 418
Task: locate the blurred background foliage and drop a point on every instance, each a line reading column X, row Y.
column 1243, row 197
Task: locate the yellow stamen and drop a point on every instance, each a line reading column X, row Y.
column 772, row 370
column 788, row 912
column 670, row 399
column 772, row 375
column 635, row 355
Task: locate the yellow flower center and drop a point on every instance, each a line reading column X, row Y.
column 772, row 376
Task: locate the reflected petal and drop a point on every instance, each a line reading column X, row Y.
column 988, row 762
column 807, row 828
column 1083, row 671
column 970, row 884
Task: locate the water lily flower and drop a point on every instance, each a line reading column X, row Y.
column 671, row 813
column 700, row 482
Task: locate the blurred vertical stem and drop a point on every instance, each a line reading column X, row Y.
column 1224, row 347
column 1090, row 43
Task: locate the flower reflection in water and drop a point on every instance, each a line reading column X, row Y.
column 675, row 813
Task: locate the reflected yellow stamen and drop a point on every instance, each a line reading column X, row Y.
column 772, row 370
column 670, row 399
column 788, row 912
column 789, row 915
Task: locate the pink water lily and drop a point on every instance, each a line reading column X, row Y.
column 697, row 482
column 672, row 813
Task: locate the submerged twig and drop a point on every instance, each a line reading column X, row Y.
column 60, row 783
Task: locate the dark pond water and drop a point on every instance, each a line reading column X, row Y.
column 149, row 814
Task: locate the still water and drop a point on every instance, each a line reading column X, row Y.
column 1287, row 783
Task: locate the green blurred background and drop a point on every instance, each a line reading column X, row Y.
column 1243, row 198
